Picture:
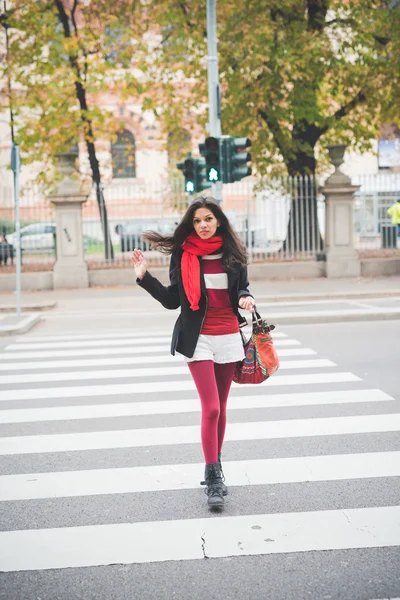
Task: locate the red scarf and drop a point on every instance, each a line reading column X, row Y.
column 193, row 247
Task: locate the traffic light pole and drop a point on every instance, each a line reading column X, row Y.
column 213, row 84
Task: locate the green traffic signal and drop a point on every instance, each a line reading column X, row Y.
column 235, row 158
column 201, row 175
column 213, row 174
column 210, row 150
column 194, row 171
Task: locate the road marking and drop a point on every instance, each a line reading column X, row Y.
column 121, row 360
column 34, row 486
column 145, row 341
column 88, row 343
column 161, row 386
column 109, row 351
column 106, row 336
column 169, row 436
column 316, row 363
column 191, row 539
column 163, row 407
column 10, row 356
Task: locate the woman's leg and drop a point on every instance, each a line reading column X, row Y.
column 223, row 375
column 203, row 375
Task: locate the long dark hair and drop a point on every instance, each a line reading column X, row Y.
column 233, row 251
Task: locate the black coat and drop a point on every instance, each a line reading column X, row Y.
column 187, row 328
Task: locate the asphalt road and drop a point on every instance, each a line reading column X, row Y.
column 99, row 484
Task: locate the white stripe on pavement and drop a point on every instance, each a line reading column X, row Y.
column 190, row 539
column 163, row 407
column 105, row 336
column 112, row 342
column 162, row 386
column 109, row 351
column 89, row 343
column 317, row 363
column 10, row 356
column 121, row 360
column 169, row 436
column 34, row 486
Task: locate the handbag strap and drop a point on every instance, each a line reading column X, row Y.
column 258, row 323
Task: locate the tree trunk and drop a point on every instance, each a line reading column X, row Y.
column 96, row 176
column 303, row 234
column 88, row 129
column 94, row 165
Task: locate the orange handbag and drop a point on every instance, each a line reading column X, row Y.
column 261, row 360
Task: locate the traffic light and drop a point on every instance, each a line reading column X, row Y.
column 194, row 171
column 235, row 158
column 188, row 168
column 201, row 175
column 210, row 150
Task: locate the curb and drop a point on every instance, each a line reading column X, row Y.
column 40, row 306
column 327, row 296
column 25, row 324
column 337, row 316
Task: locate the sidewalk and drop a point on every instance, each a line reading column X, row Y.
column 294, row 301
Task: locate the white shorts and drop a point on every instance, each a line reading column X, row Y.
column 218, row 348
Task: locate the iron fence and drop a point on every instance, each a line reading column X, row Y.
column 277, row 219
column 38, row 230
column 375, row 234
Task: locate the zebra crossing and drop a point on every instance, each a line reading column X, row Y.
column 112, row 416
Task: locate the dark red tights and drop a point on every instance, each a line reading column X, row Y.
column 213, row 382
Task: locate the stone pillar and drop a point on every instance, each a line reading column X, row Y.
column 342, row 259
column 70, row 270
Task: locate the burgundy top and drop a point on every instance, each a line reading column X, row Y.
column 220, row 318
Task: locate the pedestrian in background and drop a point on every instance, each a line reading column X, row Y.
column 394, row 212
column 208, row 281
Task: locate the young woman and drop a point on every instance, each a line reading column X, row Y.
column 208, row 280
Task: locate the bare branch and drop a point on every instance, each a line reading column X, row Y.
column 185, row 12
column 317, row 10
column 73, row 17
column 340, row 22
column 275, row 129
column 347, row 108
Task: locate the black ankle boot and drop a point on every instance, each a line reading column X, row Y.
column 224, row 488
column 213, row 480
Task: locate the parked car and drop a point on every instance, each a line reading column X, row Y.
column 40, row 237
column 130, row 234
column 35, row 237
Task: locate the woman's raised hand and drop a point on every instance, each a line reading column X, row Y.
column 247, row 302
column 139, row 263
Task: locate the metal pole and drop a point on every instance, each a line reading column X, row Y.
column 213, row 84
column 16, row 167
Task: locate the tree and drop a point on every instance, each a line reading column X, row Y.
column 62, row 55
column 295, row 75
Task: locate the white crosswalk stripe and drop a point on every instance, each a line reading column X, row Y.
column 166, row 436
column 82, row 429
column 101, row 411
column 160, row 386
column 141, row 372
column 198, row 538
column 122, row 360
column 114, row 336
column 175, row 477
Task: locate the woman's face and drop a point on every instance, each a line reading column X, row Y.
column 205, row 223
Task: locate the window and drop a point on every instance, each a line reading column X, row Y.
column 123, row 155
column 178, row 145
